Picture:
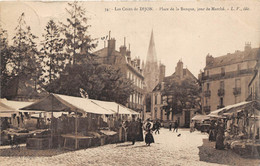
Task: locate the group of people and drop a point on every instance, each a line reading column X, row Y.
column 175, row 127
column 134, row 131
column 216, row 133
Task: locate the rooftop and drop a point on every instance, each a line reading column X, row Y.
column 232, row 58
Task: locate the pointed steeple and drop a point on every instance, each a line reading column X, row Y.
column 151, row 54
column 151, row 69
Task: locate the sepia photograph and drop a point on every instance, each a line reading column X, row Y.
column 112, row 83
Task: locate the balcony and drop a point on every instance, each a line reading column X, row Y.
column 206, row 109
column 227, row 74
column 236, row 91
column 221, row 92
column 207, row 93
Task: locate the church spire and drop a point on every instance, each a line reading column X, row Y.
column 151, row 69
column 151, row 54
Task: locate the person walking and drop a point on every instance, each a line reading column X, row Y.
column 176, row 125
column 170, row 126
column 148, row 132
column 140, row 136
column 132, row 131
column 157, row 126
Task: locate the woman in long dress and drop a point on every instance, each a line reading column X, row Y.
column 220, row 136
column 140, row 136
column 148, row 135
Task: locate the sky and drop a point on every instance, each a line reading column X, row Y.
column 183, row 34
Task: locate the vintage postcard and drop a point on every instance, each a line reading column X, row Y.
column 130, row 82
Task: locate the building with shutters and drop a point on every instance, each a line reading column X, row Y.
column 225, row 79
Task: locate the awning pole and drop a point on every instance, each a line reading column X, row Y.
column 254, row 126
column 52, row 121
column 76, row 130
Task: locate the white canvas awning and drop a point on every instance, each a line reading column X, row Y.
column 115, row 107
column 64, row 103
column 5, row 110
column 231, row 108
column 200, row 117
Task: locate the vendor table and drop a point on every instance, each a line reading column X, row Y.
column 77, row 138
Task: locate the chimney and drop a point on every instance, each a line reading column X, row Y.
column 247, row 46
column 138, row 62
column 209, row 59
column 111, row 45
column 162, row 72
column 179, row 69
column 123, row 48
column 128, row 53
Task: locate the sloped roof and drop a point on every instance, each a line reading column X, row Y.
column 237, row 57
column 173, row 77
column 102, row 52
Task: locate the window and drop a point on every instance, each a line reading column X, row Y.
column 207, row 72
column 237, row 83
column 208, row 86
column 238, row 67
column 155, row 112
column 155, row 99
column 130, row 98
column 221, row 102
column 222, row 71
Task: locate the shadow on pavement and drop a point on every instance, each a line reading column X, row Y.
column 140, row 146
column 125, row 145
column 208, row 153
column 24, row 152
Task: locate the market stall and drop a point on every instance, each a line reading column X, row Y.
column 200, row 122
column 82, row 121
column 241, row 123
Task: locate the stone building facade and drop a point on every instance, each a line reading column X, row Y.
column 131, row 68
column 254, row 84
column 158, row 111
column 225, row 79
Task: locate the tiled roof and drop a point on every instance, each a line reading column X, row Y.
column 103, row 52
column 173, row 77
column 237, row 57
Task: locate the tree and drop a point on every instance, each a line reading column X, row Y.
column 24, row 50
column 52, row 52
column 102, row 82
column 4, row 59
column 78, row 42
column 181, row 95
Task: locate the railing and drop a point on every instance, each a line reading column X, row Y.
column 236, row 91
column 227, row 74
column 221, row 92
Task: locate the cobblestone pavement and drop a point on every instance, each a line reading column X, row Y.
column 168, row 149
